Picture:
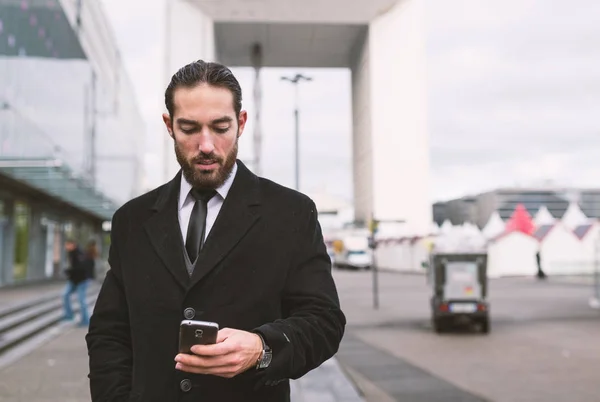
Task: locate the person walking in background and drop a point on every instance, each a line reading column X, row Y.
column 540, row 272
column 77, row 280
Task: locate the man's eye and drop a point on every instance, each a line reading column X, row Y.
column 221, row 130
column 188, row 130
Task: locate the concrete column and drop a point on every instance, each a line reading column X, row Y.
column 362, row 148
column 399, row 152
column 257, row 62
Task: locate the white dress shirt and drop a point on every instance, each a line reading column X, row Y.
column 186, row 204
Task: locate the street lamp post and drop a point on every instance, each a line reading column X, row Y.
column 295, row 80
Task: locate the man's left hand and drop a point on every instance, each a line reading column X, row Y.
column 235, row 352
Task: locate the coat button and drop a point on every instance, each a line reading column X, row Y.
column 185, row 385
column 189, row 313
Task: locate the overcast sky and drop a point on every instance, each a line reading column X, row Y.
column 514, row 89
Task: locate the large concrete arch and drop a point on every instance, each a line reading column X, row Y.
column 381, row 41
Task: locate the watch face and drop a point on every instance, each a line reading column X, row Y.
column 266, row 360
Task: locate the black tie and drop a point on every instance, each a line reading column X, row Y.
column 197, row 227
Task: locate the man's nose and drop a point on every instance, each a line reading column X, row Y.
column 206, row 144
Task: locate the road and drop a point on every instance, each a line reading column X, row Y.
column 544, row 346
column 544, row 343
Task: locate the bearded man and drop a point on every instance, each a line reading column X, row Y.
column 216, row 244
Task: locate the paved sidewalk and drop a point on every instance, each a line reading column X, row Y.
column 57, row 372
column 11, row 296
column 586, row 280
column 56, row 369
column 543, row 345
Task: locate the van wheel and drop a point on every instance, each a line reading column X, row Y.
column 485, row 325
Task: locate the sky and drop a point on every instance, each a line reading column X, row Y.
column 513, row 95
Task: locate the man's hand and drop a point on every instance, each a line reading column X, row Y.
column 235, row 352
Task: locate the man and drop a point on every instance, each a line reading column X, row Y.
column 77, row 280
column 219, row 244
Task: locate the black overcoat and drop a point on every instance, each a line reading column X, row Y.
column 264, row 268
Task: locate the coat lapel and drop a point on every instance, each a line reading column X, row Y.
column 164, row 231
column 237, row 216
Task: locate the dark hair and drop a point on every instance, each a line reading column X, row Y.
column 201, row 72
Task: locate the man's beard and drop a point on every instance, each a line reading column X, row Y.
column 207, row 179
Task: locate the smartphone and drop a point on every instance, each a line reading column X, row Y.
column 196, row 333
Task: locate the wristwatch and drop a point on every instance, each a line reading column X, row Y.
column 265, row 357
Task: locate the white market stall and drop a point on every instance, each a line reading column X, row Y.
column 512, row 254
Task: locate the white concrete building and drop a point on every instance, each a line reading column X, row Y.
column 380, row 41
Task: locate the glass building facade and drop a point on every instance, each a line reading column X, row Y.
column 56, row 101
column 71, row 134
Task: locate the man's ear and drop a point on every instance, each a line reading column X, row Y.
column 168, row 124
column 242, row 122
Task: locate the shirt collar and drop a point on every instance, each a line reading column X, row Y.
column 223, row 190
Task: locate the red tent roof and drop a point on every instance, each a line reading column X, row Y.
column 520, row 221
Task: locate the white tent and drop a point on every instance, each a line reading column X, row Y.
column 461, row 238
column 446, row 227
column 394, row 230
column 574, row 216
column 471, row 231
column 434, row 229
column 543, row 217
column 589, row 236
column 561, row 251
column 404, row 255
column 512, row 254
column 494, row 227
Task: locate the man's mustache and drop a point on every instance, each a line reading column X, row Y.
column 207, row 159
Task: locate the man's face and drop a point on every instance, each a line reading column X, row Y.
column 69, row 246
column 205, row 130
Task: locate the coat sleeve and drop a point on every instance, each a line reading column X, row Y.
column 108, row 339
column 313, row 323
